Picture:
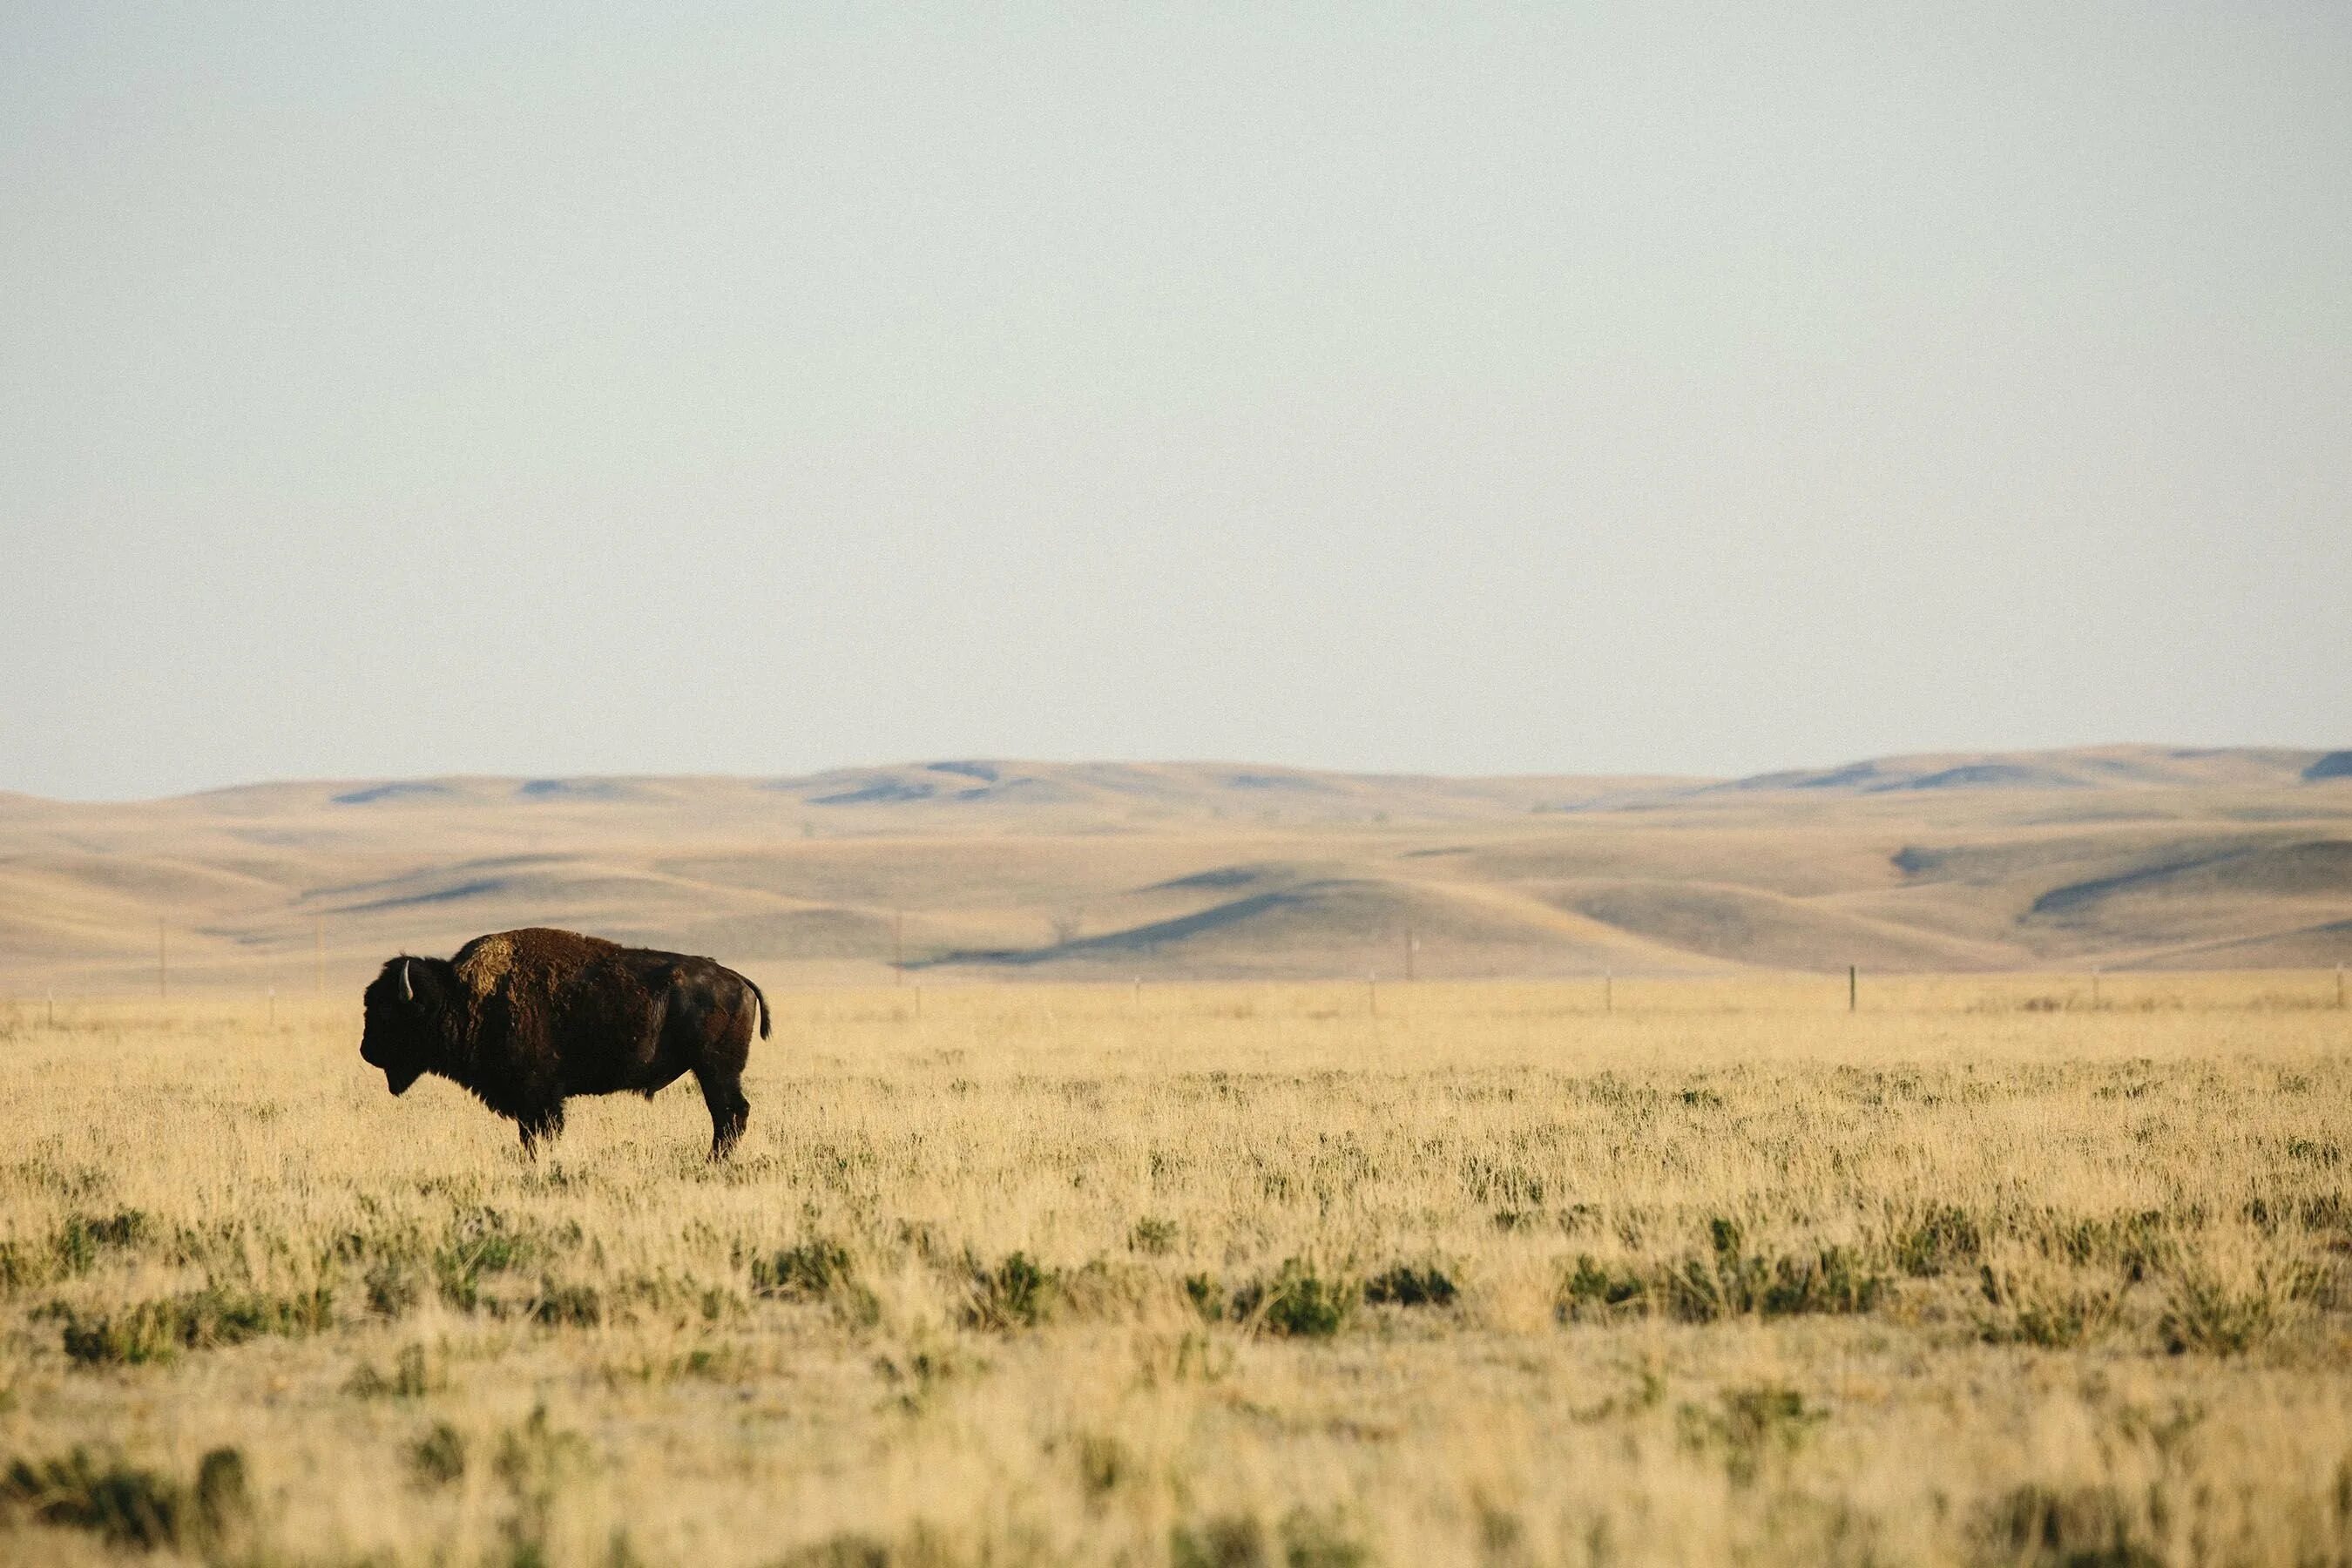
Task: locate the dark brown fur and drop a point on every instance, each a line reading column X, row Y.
column 525, row 1019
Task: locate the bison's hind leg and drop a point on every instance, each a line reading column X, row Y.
column 545, row 1122
column 723, row 1094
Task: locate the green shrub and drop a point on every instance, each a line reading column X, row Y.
column 79, row 1240
column 145, row 1331
column 1945, row 1236
column 157, row 1330
column 537, row 1456
column 1834, row 1280
column 1155, row 1237
column 2202, row 1314
column 69, row 1251
column 130, row 1506
column 807, row 1272
column 223, row 1499
column 1312, row 1540
column 854, row 1549
column 1297, row 1302
column 2042, row 1527
column 574, row 1306
column 1732, row 1282
column 815, row 1271
column 1105, row 1464
column 1748, row 1426
column 1017, row 1293
column 1509, row 1185
column 1405, row 1286
column 1304, row 1540
column 20, row 1267
column 1237, row 1541
column 2137, row 1245
column 2051, row 1316
column 1590, row 1290
column 850, row 1549
column 412, row 1377
column 392, row 1287
column 438, row 1458
column 483, row 1242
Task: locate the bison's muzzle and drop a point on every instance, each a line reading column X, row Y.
column 397, row 1076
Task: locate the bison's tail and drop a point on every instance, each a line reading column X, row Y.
column 759, row 997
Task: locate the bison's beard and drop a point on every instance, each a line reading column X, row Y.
column 397, row 1080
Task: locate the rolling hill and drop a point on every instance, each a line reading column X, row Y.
column 2117, row 857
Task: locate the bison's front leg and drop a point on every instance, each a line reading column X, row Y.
column 542, row 1122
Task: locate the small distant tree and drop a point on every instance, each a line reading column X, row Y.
column 1066, row 924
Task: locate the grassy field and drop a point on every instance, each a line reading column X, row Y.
column 1991, row 1271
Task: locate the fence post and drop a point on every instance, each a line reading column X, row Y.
column 1372, row 992
column 1854, row 988
column 1608, row 991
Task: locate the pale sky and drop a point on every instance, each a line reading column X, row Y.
column 401, row 390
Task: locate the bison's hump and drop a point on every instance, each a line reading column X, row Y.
column 531, row 956
column 487, row 960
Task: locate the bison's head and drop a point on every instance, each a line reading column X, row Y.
column 400, row 1035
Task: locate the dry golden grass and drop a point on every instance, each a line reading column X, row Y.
column 1985, row 1273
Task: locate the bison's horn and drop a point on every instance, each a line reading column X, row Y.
column 407, row 986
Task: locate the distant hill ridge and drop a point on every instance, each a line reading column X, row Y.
column 2112, row 856
column 966, row 784
column 2081, row 767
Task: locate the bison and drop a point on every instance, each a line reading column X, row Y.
column 524, row 1019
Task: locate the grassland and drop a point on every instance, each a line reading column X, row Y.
column 1988, row 1272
